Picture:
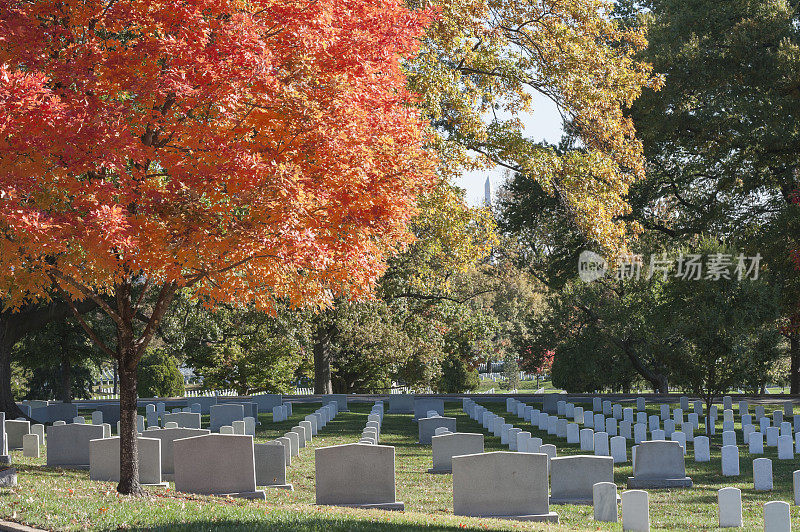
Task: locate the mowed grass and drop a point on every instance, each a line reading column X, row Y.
column 67, row 500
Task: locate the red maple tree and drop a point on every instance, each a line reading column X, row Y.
column 246, row 151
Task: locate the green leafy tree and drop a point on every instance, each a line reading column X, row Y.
column 159, row 375
column 457, row 376
column 511, row 372
column 58, row 361
column 240, row 347
column 721, row 136
column 722, row 332
column 603, row 337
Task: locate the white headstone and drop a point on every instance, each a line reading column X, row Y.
column 729, row 437
column 772, row 436
column 785, row 448
column 573, row 433
column 587, row 439
column 30, row 445
column 619, row 449
column 548, row 449
column 730, row 461
column 604, row 501
column 756, row 443
column 639, row 433
column 679, row 437
column 701, row 449
column 796, row 486
column 727, row 402
column 599, row 423
column 729, row 502
column 762, row 474
column 635, row 511
column 777, row 517
column 601, row 444
column 626, row 429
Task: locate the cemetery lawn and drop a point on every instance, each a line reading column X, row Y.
column 61, row 499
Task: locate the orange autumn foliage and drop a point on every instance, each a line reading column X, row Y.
column 252, row 151
column 255, row 150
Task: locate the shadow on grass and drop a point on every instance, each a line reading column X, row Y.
column 310, row 524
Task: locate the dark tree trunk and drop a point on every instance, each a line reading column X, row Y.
column 7, row 403
column 660, row 383
column 66, row 380
column 794, row 353
column 322, row 359
column 658, row 380
column 128, row 449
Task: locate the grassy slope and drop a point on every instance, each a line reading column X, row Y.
column 66, row 499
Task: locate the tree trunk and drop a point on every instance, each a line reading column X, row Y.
column 128, row 449
column 322, row 359
column 658, row 380
column 7, row 403
column 66, row 380
column 660, row 384
column 794, row 353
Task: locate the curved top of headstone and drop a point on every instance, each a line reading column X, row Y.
column 659, row 459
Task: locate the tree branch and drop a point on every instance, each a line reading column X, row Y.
column 55, row 274
column 86, row 327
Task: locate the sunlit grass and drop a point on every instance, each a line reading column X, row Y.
column 66, row 499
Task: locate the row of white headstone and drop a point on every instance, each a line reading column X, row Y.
column 776, row 513
column 598, row 441
column 635, row 509
column 372, row 430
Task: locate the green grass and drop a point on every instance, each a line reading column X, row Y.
column 66, row 499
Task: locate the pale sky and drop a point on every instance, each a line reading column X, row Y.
column 543, row 124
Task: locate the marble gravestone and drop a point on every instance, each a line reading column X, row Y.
column 659, row 464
